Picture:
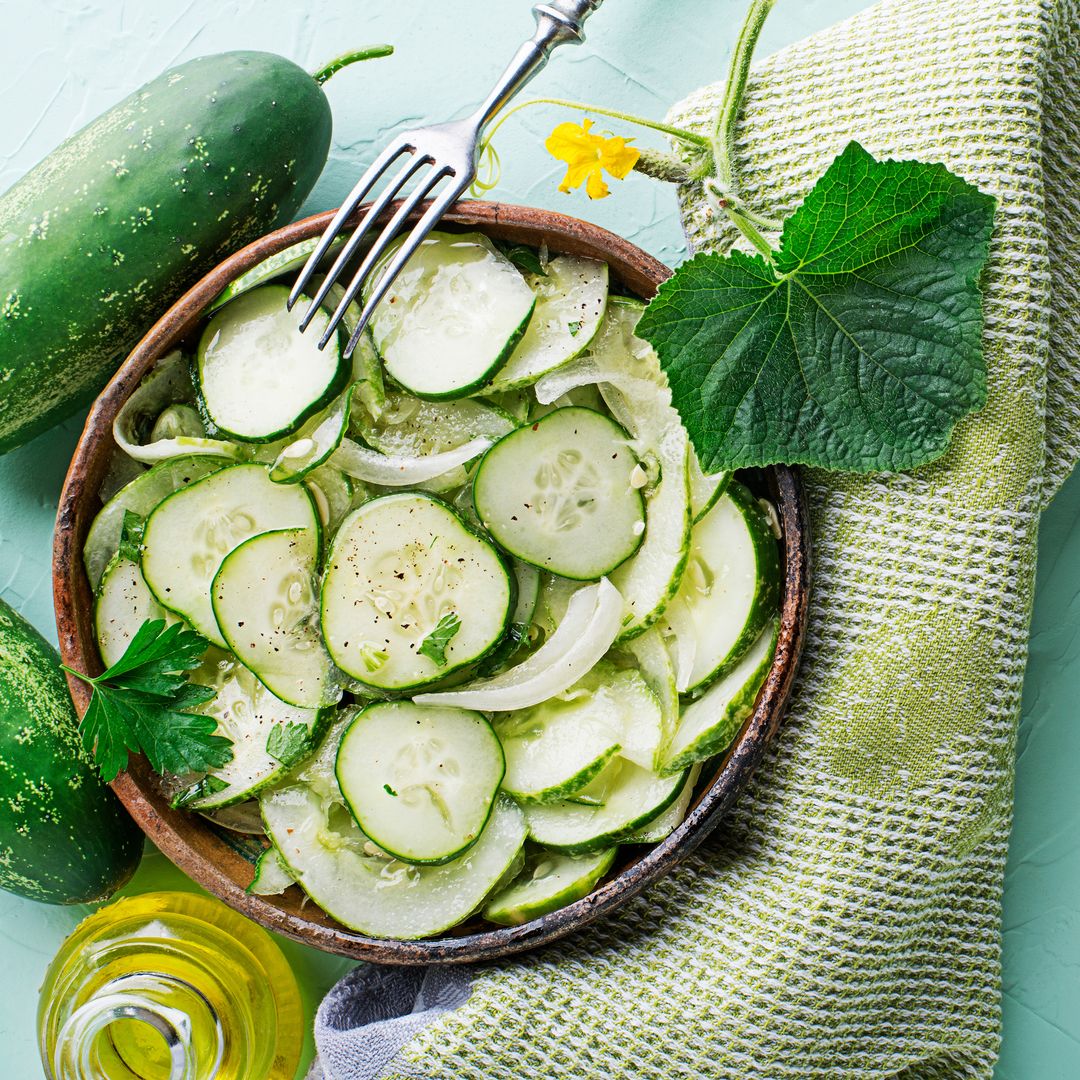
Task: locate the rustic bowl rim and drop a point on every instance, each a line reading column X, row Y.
column 199, row 850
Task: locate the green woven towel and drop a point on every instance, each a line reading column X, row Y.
column 845, row 921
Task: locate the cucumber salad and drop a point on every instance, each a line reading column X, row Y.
column 475, row 616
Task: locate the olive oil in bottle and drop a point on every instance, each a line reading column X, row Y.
column 169, row 986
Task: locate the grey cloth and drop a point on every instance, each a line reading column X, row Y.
column 374, row 1011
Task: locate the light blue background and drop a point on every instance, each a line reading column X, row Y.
column 64, row 61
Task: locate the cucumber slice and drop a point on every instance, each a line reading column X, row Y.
column 560, row 494
column 651, row 577
column 571, row 298
column 190, row 532
column 515, row 403
column 314, row 442
column 710, row 723
column 628, row 698
column 633, row 798
column 283, row 262
column 559, row 746
column 385, row 897
column 452, row 317
column 654, row 662
column 265, row 601
column 549, row 881
column 420, row 782
column 729, row 590
column 663, row 826
column 140, row 496
column 705, row 490
column 258, row 377
column 156, row 408
column 269, row 736
column 122, row 604
column 410, row 427
column 401, row 568
column 272, row 876
column 367, row 370
column 527, row 580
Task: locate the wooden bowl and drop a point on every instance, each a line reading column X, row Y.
column 203, row 851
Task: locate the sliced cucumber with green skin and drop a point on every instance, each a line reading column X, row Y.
column 527, row 581
column 382, row 897
column 272, row 876
column 627, row 698
column 266, row 603
column 571, row 298
column 705, row 489
column 655, row 665
column 140, row 496
column 411, row 427
column 515, row 403
column 158, row 409
column 663, row 826
column 191, row 531
column 453, row 316
column 710, row 723
column 421, row 782
column 249, row 714
column 122, row 604
column 292, row 258
column 258, row 377
column 548, row 881
column 367, row 369
column 401, row 566
column 560, row 494
column 588, row 397
column 651, row 577
column 558, row 747
column 313, row 444
column 729, row 590
column 634, row 798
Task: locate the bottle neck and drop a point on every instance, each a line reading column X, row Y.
column 141, row 1026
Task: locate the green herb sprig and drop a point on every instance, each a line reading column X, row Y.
column 143, row 704
column 434, row 645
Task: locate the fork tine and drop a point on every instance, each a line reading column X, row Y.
column 379, row 248
column 371, row 215
column 356, row 197
column 420, row 230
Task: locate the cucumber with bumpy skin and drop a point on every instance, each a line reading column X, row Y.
column 560, row 494
column 457, row 299
column 548, row 881
column 421, row 782
column 115, row 224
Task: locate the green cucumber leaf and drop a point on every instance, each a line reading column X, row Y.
column 857, row 348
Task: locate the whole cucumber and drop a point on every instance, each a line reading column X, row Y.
column 64, row 837
column 100, row 237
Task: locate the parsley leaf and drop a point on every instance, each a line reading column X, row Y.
column 143, row 703
column 574, row 328
column 434, row 645
column 525, row 258
column 288, row 742
column 131, row 534
column 857, row 348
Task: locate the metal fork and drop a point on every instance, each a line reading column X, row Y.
column 442, row 152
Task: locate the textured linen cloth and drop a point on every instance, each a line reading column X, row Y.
column 844, row 921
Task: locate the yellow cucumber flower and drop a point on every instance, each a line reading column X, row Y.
column 588, row 157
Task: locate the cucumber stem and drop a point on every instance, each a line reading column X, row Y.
column 372, row 52
column 723, row 138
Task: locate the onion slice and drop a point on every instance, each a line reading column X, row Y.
column 592, row 622
column 169, row 383
column 398, row 470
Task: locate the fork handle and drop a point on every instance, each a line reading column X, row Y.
column 558, row 22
